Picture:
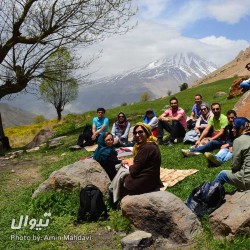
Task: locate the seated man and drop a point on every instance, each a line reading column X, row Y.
column 218, row 123
column 173, row 120
column 90, row 135
column 245, row 85
column 196, row 111
column 232, row 132
column 100, row 124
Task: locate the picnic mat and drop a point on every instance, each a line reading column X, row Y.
column 91, row 148
column 170, row 177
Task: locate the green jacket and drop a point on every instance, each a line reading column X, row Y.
column 239, row 176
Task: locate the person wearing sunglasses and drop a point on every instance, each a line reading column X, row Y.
column 144, row 170
column 201, row 123
column 106, row 154
column 152, row 121
column 217, row 123
column 239, row 175
column 120, row 130
column 100, row 124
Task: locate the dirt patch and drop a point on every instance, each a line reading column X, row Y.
column 21, row 172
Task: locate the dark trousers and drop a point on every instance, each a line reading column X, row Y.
column 175, row 129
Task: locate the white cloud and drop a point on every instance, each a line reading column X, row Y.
column 230, row 11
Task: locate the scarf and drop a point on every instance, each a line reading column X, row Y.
column 150, row 138
column 122, row 125
column 147, row 120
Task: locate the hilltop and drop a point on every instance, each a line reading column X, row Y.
column 234, row 68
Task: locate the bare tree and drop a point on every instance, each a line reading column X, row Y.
column 33, row 29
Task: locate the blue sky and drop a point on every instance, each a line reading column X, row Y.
column 217, row 30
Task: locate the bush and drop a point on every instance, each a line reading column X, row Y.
column 183, row 86
column 145, row 97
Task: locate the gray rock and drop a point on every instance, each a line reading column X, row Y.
column 43, row 136
column 70, row 177
column 137, row 240
column 162, row 214
column 242, row 105
column 233, row 216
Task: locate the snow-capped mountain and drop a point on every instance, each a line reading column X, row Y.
column 156, row 78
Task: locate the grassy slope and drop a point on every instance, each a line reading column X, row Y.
column 16, row 200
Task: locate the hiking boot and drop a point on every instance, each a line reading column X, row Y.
column 188, row 153
column 159, row 141
column 212, row 159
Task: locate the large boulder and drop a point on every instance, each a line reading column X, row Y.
column 161, row 214
column 70, row 177
column 242, row 106
column 233, row 217
column 42, row 137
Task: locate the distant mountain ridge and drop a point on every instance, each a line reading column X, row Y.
column 12, row 116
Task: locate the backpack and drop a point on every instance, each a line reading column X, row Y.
column 205, row 198
column 92, row 206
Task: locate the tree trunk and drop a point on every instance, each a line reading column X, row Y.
column 1, row 128
column 59, row 114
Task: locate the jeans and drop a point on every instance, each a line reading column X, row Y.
column 210, row 146
column 175, row 129
column 245, row 84
column 224, row 155
column 222, row 177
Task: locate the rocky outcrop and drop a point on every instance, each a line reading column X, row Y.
column 233, row 217
column 162, row 214
column 78, row 174
column 42, row 137
column 242, row 106
column 235, row 89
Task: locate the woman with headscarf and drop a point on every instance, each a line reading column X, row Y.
column 144, row 171
column 193, row 135
column 239, row 175
column 120, row 130
column 106, row 154
column 152, row 121
column 225, row 153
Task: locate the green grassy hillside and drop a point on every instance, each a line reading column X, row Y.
column 17, row 185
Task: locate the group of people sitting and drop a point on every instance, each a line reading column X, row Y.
column 206, row 128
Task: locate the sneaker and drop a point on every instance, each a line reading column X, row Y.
column 75, row 147
column 212, row 159
column 188, row 153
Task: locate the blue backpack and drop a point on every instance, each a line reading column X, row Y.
column 205, row 198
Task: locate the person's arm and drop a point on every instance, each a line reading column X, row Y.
column 113, row 129
column 153, row 123
column 176, row 118
column 237, row 160
column 192, row 115
column 105, row 124
column 204, row 134
column 163, row 116
column 125, row 134
column 218, row 135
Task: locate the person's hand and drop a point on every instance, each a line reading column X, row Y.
column 197, row 143
column 224, row 146
column 93, row 137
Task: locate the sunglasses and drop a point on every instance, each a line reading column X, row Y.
column 121, row 116
column 140, row 132
column 215, row 109
column 203, row 109
column 109, row 139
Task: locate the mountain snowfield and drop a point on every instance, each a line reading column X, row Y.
column 156, row 78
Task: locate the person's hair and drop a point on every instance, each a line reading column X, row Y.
column 231, row 111
column 172, row 99
column 106, row 134
column 198, row 95
column 121, row 113
column 101, row 109
column 215, row 103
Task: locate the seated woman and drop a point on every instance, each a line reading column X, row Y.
column 144, row 171
column 225, row 153
column 106, row 155
column 120, row 130
column 239, row 175
column 152, row 121
column 201, row 123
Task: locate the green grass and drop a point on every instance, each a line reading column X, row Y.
column 16, row 199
